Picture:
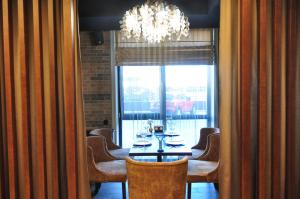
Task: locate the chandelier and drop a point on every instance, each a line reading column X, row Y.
column 154, row 22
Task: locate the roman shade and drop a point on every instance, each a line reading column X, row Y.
column 198, row 48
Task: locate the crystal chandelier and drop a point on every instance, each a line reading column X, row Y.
column 154, row 22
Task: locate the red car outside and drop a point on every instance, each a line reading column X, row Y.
column 177, row 105
column 180, row 104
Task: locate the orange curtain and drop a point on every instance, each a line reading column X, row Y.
column 260, row 99
column 42, row 150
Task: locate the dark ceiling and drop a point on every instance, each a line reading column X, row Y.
column 97, row 15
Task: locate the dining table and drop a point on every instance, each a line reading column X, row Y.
column 170, row 145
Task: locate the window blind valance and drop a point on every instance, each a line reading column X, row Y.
column 197, row 48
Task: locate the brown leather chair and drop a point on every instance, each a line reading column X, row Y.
column 102, row 166
column 199, row 148
column 113, row 149
column 154, row 180
column 205, row 168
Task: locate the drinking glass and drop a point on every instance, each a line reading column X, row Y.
column 171, row 126
column 160, row 138
column 144, row 133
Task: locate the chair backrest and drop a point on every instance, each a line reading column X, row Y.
column 154, row 180
column 204, row 133
column 99, row 148
column 108, row 134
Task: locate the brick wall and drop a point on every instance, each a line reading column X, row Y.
column 96, row 80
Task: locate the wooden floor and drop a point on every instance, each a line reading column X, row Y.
column 199, row 190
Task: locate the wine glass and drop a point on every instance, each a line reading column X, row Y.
column 171, row 126
column 160, row 137
column 144, row 133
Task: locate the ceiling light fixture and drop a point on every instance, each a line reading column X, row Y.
column 154, row 22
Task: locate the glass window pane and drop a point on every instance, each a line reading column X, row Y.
column 186, row 90
column 141, row 100
column 141, row 89
column 187, row 95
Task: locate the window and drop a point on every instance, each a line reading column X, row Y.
column 170, row 81
column 183, row 94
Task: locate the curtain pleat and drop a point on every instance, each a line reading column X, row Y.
column 296, row 152
column 229, row 98
column 264, row 99
column 293, row 100
column 84, row 189
column 50, row 103
column 43, row 153
column 259, row 100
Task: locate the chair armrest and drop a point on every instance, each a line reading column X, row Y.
column 211, row 152
column 213, row 176
column 109, row 139
column 94, row 173
column 99, row 148
column 106, row 156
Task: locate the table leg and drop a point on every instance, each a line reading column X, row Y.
column 124, row 190
column 189, row 190
column 159, row 158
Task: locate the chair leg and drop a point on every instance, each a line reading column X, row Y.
column 216, row 185
column 124, row 190
column 189, row 190
column 95, row 186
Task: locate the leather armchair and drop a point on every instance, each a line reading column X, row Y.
column 102, row 166
column 205, row 168
column 153, row 180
